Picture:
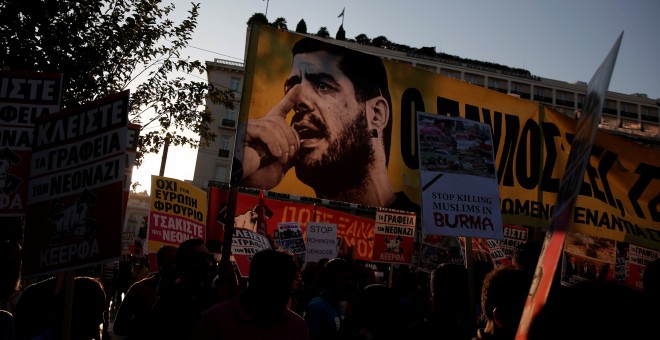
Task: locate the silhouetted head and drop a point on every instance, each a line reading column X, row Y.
column 449, row 289
column 193, row 260
column 336, row 279
column 166, row 260
column 503, row 297
column 272, row 273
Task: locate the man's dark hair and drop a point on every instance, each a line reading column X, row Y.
column 366, row 72
column 506, row 288
column 272, row 267
column 449, row 287
column 160, row 255
column 188, row 261
column 333, row 270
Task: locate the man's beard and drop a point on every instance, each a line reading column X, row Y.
column 346, row 164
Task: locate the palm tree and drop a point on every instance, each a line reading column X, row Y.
column 323, row 32
column 280, row 23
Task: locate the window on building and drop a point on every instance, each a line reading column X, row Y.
column 650, row 114
column 628, row 110
column 580, row 101
column 230, row 119
column 497, row 84
column 221, row 173
column 225, row 142
column 543, row 94
column 610, row 107
column 564, row 98
column 521, row 89
column 474, row 79
column 225, row 146
column 450, row 73
column 427, row 67
column 235, row 83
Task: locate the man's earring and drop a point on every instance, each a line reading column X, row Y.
column 374, row 133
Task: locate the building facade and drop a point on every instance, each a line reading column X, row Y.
column 214, row 161
column 633, row 116
column 134, row 233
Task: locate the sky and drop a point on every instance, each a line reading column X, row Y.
column 560, row 39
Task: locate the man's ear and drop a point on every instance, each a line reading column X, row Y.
column 378, row 112
column 500, row 320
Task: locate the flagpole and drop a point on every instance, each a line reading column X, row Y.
column 266, row 14
column 341, row 15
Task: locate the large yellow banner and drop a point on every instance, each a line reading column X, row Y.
column 620, row 196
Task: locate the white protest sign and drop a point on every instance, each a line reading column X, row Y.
column 460, row 194
column 321, row 241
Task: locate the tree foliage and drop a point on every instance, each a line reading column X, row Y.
column 104, row 47
column 257, row 18
column 427, row 51
column 323, row 32
column 280, row 23
column 381, row 41
column 362, row 39
column 341, row 34
column 301, row 27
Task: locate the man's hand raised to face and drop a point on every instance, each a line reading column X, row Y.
column 271, row 145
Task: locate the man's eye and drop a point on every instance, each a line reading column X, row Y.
column 323, row 86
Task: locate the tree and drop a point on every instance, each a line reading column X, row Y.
column 381, row 41
column 103, row 48
column 257, row 18
column 341, row 34
column 280, row 23
column 362, row 39
column 427, row 51
column 323, row 32
column 301, row 27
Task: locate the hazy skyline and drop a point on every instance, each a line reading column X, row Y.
column 562, row 40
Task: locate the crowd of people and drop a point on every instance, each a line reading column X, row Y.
column 192, row 296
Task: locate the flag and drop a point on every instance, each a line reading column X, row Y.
column 569, row 188
column 261, row 215
column 342, row 13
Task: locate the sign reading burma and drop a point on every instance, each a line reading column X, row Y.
column 621, row 188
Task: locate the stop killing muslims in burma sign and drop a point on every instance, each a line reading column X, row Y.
column 460, row 193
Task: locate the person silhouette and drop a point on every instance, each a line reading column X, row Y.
column 133, row 315
column 376, row 314
column 40, row 310
column 503, row 297
column 325, row 312
column 259, row 312
column 192, row 293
